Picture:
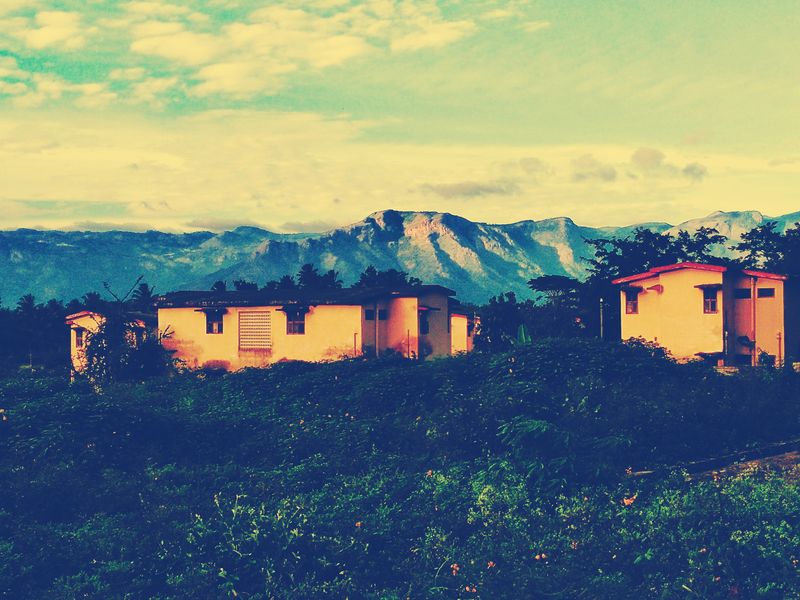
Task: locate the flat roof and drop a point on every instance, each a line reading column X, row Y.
column 344, row 297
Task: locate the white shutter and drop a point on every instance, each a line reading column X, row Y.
column 255, row 330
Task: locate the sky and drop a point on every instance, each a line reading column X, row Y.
column 302, row 116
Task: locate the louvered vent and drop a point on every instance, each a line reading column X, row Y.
column 255, row 330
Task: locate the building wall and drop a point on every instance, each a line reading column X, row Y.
column 769, row 318
column 674, row 318
column 90, row 323
column 437, row 341
column 459, row 340
column 331, row 333
column 402, row 327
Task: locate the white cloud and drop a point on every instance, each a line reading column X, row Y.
column 184, row 47
column 533, row 26
column 150, row 91
column 9, row 69
column 129, row 74
column 159, row 9
column 53, row 28
column 239, row 79
column 433, row 35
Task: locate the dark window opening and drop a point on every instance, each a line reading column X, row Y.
column 80, row 333
column 214, row 322
column 710, row 301
column 383, row 314
column 766, row 293
column 296, row 323
column 631, row 302
column 424, row 325
column 741, row 293
column 369, row 314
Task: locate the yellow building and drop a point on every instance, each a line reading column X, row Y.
column 84, row 324
column 237, row 329
column 81, row 326
column 712, row 312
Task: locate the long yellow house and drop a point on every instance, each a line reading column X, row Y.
column 232, row 330
column 712, row 312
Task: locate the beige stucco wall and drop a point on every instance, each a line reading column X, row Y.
column 459, row 341
column 402, row 327
column 437, row 341
column 769, row 318
column 331, row 333
column 91, row 324
column 674, row 318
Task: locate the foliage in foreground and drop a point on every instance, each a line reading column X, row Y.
column 484, row 476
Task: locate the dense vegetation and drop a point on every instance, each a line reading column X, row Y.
column 484, row 476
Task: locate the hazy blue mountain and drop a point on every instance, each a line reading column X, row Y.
column 476, row 259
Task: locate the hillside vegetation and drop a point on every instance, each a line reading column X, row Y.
column 482, row 476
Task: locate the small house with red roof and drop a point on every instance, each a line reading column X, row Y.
column 702, row 311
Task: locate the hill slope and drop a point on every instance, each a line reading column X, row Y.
column 476, row 259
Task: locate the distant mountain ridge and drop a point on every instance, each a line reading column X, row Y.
column 477, row 260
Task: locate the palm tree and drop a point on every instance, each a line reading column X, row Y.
column 143, row 296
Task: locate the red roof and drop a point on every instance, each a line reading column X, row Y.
column 677, row 266
column 83, row 313
column 764, row 274
column 698, row 267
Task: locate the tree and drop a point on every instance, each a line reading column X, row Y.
column 243, row 285
column 143, row 297
column 219, row 286
column 373, row 278
column 309, row 278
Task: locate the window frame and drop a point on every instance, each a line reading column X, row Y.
column 710, row 301
column 214, row 323
column 631, row 302
column 80, row 334
column 295, row 321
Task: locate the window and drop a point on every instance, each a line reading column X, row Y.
column 710, row 301
column 369, row 314
column 741, row 293
column 766, row 293
column 383, row 314
column 80, row 333
column 214, row 321
column 295, row 323
column 424, row 325
column 255, row 330
column 295, row 320
column 631, row 302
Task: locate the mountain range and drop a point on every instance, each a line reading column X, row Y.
column 477, row 260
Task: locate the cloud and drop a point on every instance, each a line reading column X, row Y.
column 534, row 166
column 107, row 226
column 129, row 74
column 318, row 226
column 652, row 163
column 533, row 26
column 588, row 168
column 472, row 189
column 184, row 47
column 241, row 79
column 220, row 223
column 433, row 35
column 150, row 91
column 695, row 171
column 648, row 158
column 157, row 9
column 54, row 28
